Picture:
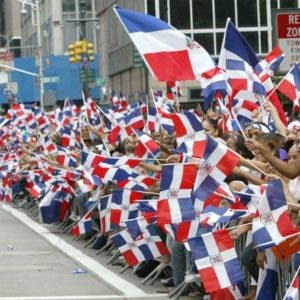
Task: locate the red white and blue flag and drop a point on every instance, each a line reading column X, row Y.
column 216, row 260
column 146, row 146
column 290, row 85
column 273, row 224
column 83, row 226
column 293, row 293
column 168, row 53
column 148, row 246
column 175, row 204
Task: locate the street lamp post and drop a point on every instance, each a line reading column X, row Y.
column 35, row 5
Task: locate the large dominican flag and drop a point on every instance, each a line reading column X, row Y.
column 216, row 260
column 168, row 53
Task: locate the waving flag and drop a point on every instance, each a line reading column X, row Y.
column 169, row 54
column 149, row 246
column 216, row 260
column 136, row 226
column 104, row 208
column 290, row 85
column 273, row 225
column 216, row 164
column 83, row 226
column 153, row 119
column 293, row 293
column 146, row 147
column 122, row 208
column 137, row 182
column 239, row 59
column 175, row 204
column 212, row 215
column 186, row 124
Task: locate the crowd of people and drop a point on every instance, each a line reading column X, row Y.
column 142, row 184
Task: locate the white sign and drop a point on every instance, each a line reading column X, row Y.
column 288, row 37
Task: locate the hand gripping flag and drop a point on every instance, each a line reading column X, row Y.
column 216, row 260
column 290, row 85
column 169, row 54
column 175, row 204
column 273, row 225
column 149, row 246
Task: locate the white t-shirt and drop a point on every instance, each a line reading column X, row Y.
column 294, row 187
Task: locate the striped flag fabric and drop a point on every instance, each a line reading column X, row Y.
column 146, row 146
column 83, row 226
column 290, row 85
column 293, row 293
column 169, row 54
column 216, row 260
column 273, row 224
column 148, row 246
column 175, row 204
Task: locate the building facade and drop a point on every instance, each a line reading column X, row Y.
column 202, row 20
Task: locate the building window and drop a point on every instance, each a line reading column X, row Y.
column 151, row 7
column 202, row 14
column 263, row 12
column 180, row 14
column 68, row 5
column 252, row 38
column 288, row 3
column 224, row 9
column 163, row 10
column 264, row 41
column 206, row 40
column 247, row 13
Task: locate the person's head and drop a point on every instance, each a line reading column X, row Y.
column 210, row 126
column 254, row 129
column 292, row 130
column 270, row 141
column 297, row 141
column 237, row 143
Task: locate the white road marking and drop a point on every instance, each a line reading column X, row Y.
column 129, row 290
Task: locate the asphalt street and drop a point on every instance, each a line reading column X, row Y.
column 36, row 262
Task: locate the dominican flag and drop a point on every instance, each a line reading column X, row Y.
column 290, row 85
column 173, row 90
column 243, row 108
column 47, row 144
column 148, row 246
column 169, row 54
column 104, row 208
column 266, row 67
column 238, row 59
column 122, row 206
column 211, row 215
column 69, row 138
column 38, row 189
column 137, row 182
column 293, row 293
column 216, row 260
column 227, row 123
column 273, row 225
column 175, row 204
column 65, row 158
column 83, row 226
column 136, row 226
column 186, row 124
column 193, row 144
column 217, row 162
column 146, row 147
column 153, row 119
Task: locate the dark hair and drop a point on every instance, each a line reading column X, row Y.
column 274, row 140
column 240, row 145
column 213, row 123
